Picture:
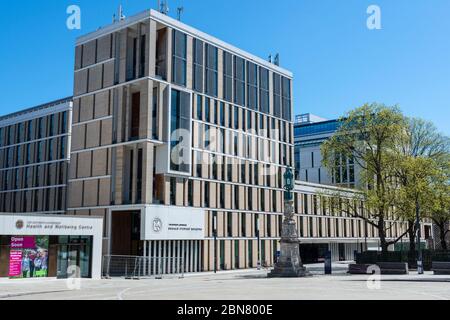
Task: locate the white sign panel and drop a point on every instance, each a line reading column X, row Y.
column 49, row 225
column 173, row 223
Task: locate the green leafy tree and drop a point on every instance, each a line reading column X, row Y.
column 420, row 151
column 439, row 210
column 368, row 135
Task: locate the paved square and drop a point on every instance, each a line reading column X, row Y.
column 243, row 285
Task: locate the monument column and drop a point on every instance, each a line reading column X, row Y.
column 290, row 263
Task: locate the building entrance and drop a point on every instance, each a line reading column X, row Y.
column 126, row 234
column 74, row 257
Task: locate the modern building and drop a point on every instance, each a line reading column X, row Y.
column 310, row 132
column 34, row 162
column 178, row 144
column 34, row 146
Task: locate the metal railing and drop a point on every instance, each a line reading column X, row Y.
column 134, row 267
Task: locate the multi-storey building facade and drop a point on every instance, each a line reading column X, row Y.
column 34, row 158
column 310, row 132
column 179, row 143
column 34, row 162
column 142, row 79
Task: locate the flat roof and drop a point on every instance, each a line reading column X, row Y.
column 39, row 110
column 173, row 23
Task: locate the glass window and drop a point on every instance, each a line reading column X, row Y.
column 10, row 135
column 236, row 118
column 239, row 80
column 63, row 148
column 207, row 110
column 277, row 95
column 155, row 126
column 199, row 107
column 52, row 125
column 198, row 65
column 264, row 89
column 286, row 92
column 222, row 114
column 64, row 122
column 30, row 130
column 252, row 85
column 228, row 76
column 211, row 70
column 20, row 132
column 180, row 129
column 40, row 128
column 179, row 58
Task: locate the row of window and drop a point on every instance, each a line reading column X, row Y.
column 34, row 177
column 241, row 225
column 229, row 142
column 316, row 128
column 52, row 149
column 39, row 200
column 215, row 167
column 231, row 116
column 244, row 83
column 35, row 129
column 266, row 200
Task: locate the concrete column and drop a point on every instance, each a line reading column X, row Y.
column 159, row 262
column 179, row 256
column 149, row 256
column 191, row 258
column 143, row 262
column 174, row 254
column 169, row 255
column 183, row 250
column 188, row 253
column 164, row 256
column 196, row 245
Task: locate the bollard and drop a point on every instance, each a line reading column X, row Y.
column 328, row 263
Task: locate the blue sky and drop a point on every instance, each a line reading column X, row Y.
column 338, row 63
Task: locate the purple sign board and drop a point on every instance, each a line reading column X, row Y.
column 28, row 257
column 15, row 263
column 23, row 242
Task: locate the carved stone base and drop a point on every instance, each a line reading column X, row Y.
column 290, row 264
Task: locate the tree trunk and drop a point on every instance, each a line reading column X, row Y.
column 382, row 232
column 412, row 235
column 442, row 234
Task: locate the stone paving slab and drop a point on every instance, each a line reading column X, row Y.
column 247, row 285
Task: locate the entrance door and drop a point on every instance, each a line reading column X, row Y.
column 73, row 258
column 126, row 234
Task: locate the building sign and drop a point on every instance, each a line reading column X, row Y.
column 26, row 242
column 28, row 257
column 173, row 223
column 51, row 226
column 15, row 263
column 29, row 241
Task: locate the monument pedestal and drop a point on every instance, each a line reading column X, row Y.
column 290, row 263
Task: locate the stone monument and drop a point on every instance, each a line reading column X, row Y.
column 290, row 263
